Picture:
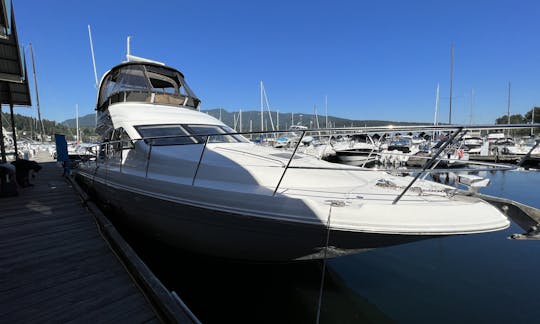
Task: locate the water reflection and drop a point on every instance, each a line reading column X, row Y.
column 219, row 291
column 471, row 278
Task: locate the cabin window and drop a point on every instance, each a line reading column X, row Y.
column 188, row 134
column 165, row 135
column 215, row 131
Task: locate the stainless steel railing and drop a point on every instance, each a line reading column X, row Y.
column 455, row 134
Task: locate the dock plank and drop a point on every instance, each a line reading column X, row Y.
column 54, row 264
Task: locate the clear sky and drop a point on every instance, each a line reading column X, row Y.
column 373, row 59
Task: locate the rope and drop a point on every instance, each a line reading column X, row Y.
column 324, row 264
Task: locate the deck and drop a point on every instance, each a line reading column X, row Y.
column 58, row 265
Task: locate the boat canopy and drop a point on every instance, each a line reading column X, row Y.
column 145, row 82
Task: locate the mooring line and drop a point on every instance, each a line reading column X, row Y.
column 324, row 264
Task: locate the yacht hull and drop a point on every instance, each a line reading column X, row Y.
column 234, row 236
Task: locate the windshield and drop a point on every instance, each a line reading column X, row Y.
column 146, row 83
column 174, row 131
column 191, row 134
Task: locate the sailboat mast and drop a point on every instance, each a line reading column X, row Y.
column 451, row 82
column 436, row 106
column 262, row 109
column 77, row 121
column 326, row 109
column 508, row 113
column 532, row 121
column 436, row 110
column 472, row 103
column 37, row 94
column 240, row 122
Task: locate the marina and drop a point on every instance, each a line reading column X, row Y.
column 187, row 190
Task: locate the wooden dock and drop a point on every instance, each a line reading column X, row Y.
column 59, row 262
column 530, row 161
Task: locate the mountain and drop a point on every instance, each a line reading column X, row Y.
column 84, row 121
column 254, row 117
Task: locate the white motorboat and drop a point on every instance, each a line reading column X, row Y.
column 360, row 149
column 473, row 144
column 187, row 179
column 398, row 150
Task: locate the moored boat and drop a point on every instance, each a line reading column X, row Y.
column 189, row 180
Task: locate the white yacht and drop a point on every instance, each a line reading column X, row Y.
column 187, row 179
column 359, row 150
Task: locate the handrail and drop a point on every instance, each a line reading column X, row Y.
column 524, row 158
column 200, row 159
column 289, row 163
column 428, row 164
column 457, row 130
column 148, row 159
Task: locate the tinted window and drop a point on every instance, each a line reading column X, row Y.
column 165, row 131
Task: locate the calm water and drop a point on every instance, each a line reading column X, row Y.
column 473, row 278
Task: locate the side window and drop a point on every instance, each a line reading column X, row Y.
column 120, row 140
column 126, row 142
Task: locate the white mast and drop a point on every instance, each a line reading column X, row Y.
column 93, row 57
column 77, row 121
column 316, row 117
column 94, row 65
column 532, row 121
column 436, row 106
column 509, row 86
column 436, row 110
column 262, row 108
column 451, row 83
column 326, row 109
column 472, row 103
column 277, row 118
column 240, row 121
column 263, row 91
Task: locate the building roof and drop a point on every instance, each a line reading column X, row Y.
column 14, row 88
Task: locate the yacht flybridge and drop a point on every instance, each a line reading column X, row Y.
column 191, row 181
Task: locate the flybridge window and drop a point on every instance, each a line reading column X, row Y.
column 146, row 83
column 169, row 134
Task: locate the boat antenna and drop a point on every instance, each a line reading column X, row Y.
column 94, row 65
column 128, row 48
column 133, row 58
column 93, row 56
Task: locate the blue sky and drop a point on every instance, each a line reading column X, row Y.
column 373, row 59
